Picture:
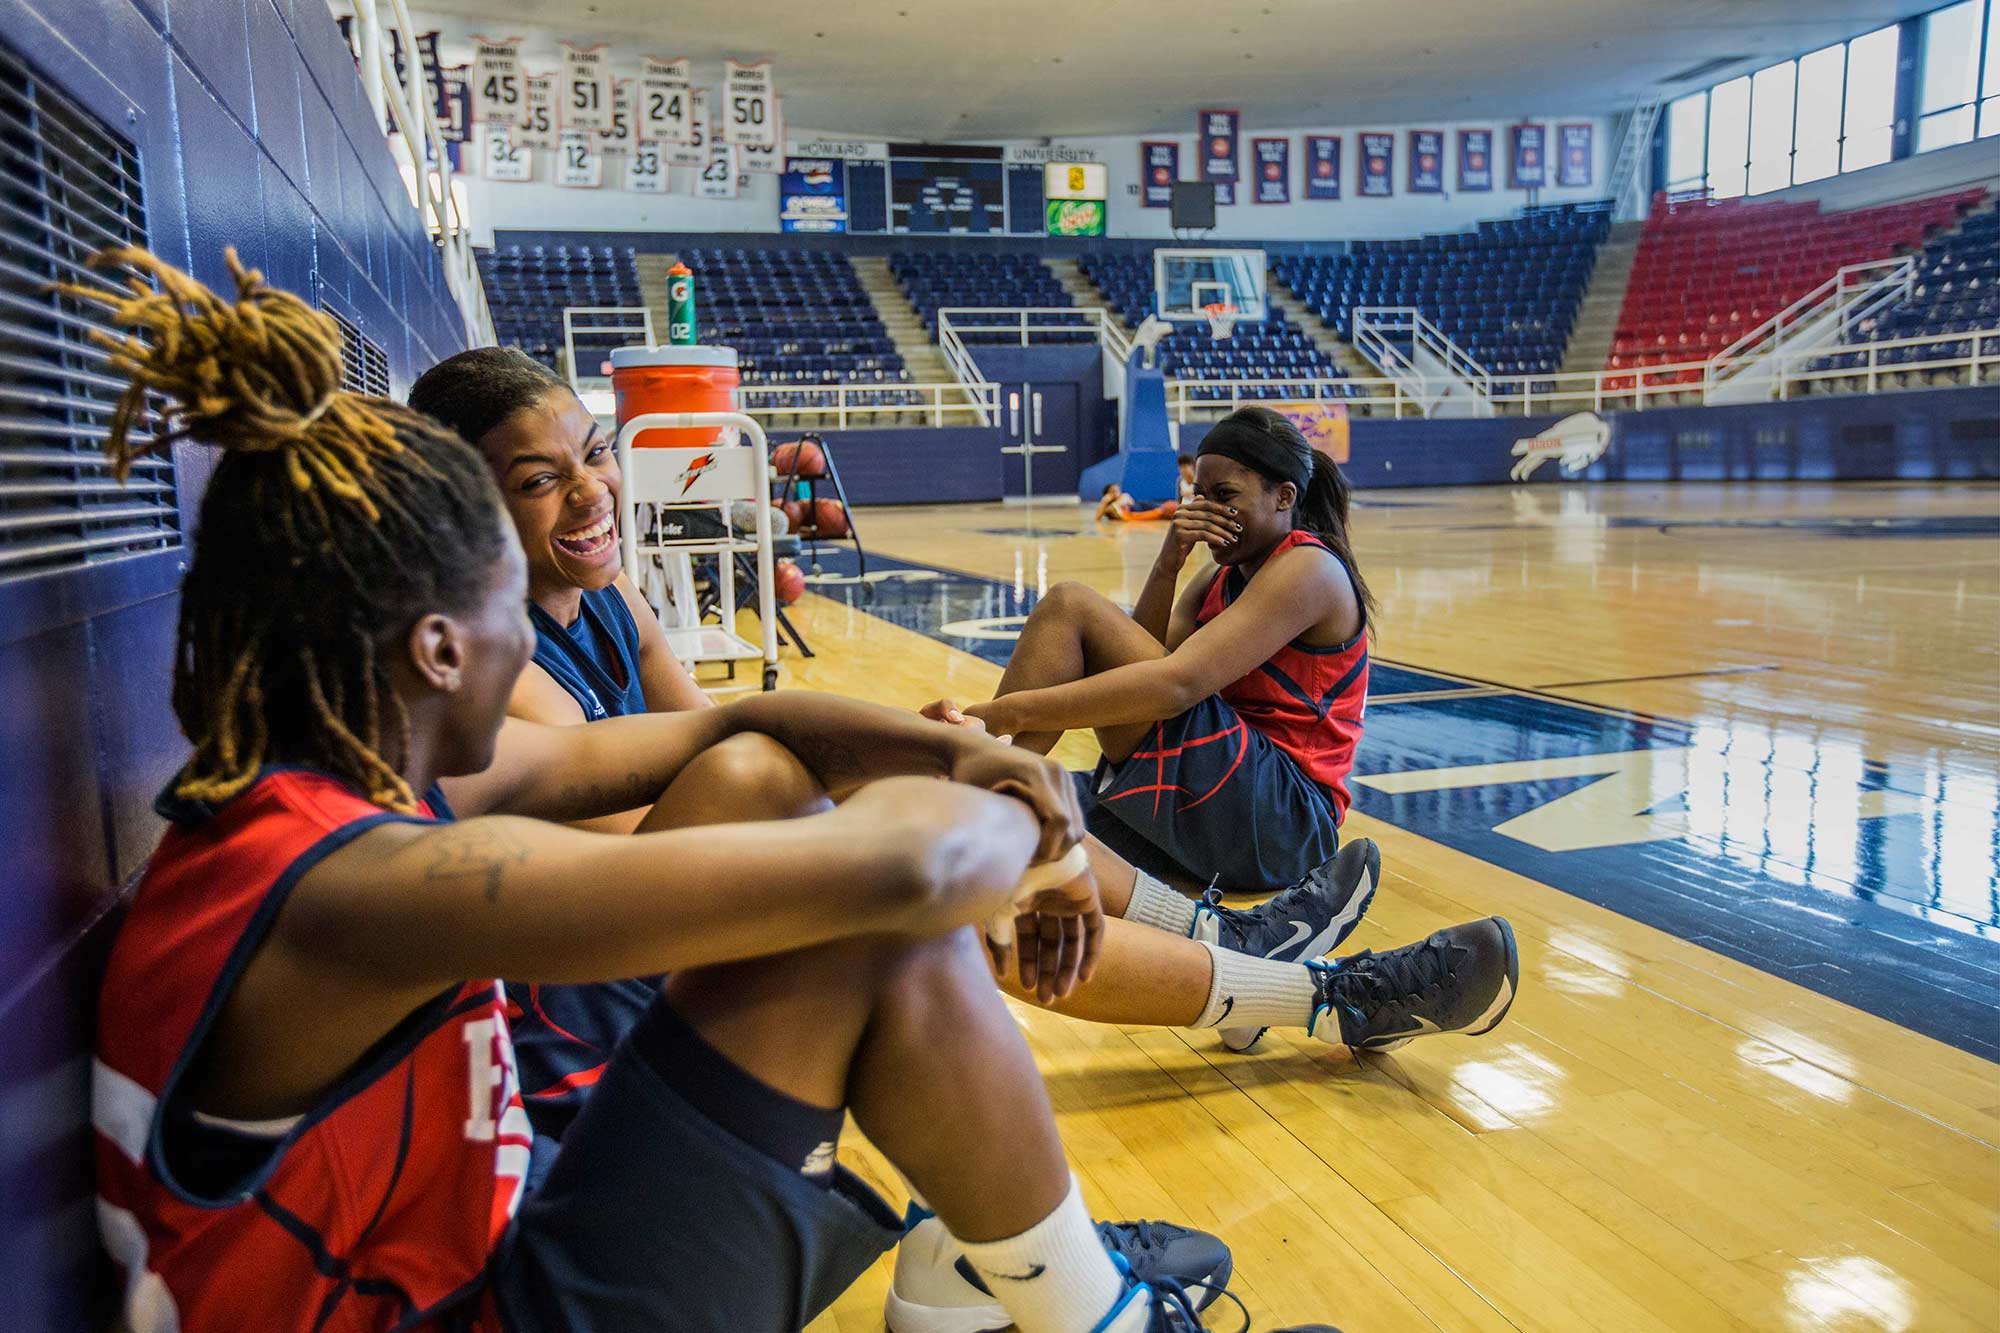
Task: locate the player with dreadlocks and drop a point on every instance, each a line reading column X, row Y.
column 304, row 1094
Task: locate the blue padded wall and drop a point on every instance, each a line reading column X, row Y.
column 251, row 130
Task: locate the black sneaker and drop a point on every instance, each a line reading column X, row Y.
column 1162, row 1251
column 1308, row 920
column 1168, row 1307
column 1458, row 980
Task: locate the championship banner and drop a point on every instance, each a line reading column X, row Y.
column 1529, row 155
column 666, row 102
column 1378, row 162
column 427, row 57
column 693, row 152
column 619, row 139
column 646, row 169
column 499, row 93
column 749, row 113
column 768, row 160
column 1426, row 162
column 1217, row 137
column 579, row 166
column 455, row 116
column 504, row 159
column 717, row 180
column 1273, row 161
column 1475, row 160
column 1322, row 166
column 539, row 127
column 1573, row 169
column 1159, row 168
column 586, row 88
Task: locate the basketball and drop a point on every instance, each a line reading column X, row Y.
column 801, row 459
column 828, row 519
column 791, row 582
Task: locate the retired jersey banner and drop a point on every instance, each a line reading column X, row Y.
column 586, row 88
column 1475, row 160
column 1322, row 166
column 1573, row 169
column 646, row 169
column 717, row 180
column 666, row 102
column 618, row 140
column 749, row 105
column 506, row 160
column 499, row 84
column 693, row 154
column 767, row 158
column 1218, row 146
column 1159, row 168
column 539, row 127
column 1426, row 162
column 579, row 166
column 1378, row 165
column 1272, row 159
column 455, row 117
column 1530, row 156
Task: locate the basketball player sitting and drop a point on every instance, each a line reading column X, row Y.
column 305, row 1090
column 1228, row 715
column 1118, row 506
column 559, row 476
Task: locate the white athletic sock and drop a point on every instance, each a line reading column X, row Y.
column 1055, row 1277
column 1245, row 991
column 1155, row 904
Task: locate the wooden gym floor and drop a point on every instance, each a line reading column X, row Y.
column 1725, row 755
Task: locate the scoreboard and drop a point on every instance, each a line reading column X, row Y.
column 935, row 197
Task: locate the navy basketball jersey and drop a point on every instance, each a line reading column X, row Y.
column 564, row 1034
column 595, row 660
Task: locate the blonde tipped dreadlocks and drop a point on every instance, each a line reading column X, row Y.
column 332, row 523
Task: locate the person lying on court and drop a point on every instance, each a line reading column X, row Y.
column 558, row 474
column 1118, row 506
column 304, row 1094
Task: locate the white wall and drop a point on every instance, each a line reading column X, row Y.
column 540, row 205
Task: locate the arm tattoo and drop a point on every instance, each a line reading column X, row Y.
column 590, row 800
column 482, row 854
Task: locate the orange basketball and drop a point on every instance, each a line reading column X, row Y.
column 789, row 582
column 803, row 458
column 829, row 517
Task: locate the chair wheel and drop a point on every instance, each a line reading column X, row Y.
column 770, row 678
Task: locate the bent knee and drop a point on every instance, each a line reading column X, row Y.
column 760, row 768
column 1070, row 599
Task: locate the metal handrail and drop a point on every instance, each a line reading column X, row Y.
column 410, row 113
column 1900, row 276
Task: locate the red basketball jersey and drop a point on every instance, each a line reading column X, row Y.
column 1307, row 700
column 379, row 1206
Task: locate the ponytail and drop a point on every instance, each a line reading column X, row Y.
column 1322, row 511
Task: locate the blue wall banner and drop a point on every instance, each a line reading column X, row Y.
column 1273, row 161
column 1426, row 161
column 1322, row 166
column 1378, row 161
column 1529, row 156
column 812, row 195
column 1217, row 138
column 1574, row 168
column 1475, row 160
column 1159, row 168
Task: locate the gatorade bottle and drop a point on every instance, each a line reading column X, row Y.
column 680, row 305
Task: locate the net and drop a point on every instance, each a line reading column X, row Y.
column 1221, row 317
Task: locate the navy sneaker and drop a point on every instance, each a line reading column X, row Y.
column 937, row 1290
column 1459, row 980
column 1308, row 920
column 1168, row 1307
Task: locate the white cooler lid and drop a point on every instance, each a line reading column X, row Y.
column 668, row 355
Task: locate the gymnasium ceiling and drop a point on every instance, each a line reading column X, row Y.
column 1023, row 69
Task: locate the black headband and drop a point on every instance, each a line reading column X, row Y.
column 1258, row 450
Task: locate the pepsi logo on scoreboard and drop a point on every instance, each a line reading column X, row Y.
column 812, row 195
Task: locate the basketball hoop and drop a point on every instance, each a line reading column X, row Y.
column 1221, row 317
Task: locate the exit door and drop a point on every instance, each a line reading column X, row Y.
column 1041, row 452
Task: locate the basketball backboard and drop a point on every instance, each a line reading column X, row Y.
column 1187, row 283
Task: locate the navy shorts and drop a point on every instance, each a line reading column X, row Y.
column 1218, row 800
column 653, row 1217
